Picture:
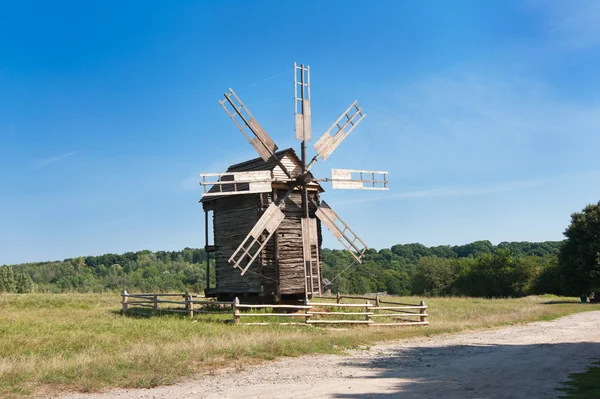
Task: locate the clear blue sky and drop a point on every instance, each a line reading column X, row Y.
column 485, row 113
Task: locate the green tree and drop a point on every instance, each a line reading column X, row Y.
column 7, row 279
column 434, row 276
column 23, row 283
column 579, row 256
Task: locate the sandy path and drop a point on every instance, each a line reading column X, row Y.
column 525, row 361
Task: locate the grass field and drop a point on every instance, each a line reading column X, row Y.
column 64, row 342
column 584, row 385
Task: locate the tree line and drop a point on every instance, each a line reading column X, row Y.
column 509, row 269
column 476, row 269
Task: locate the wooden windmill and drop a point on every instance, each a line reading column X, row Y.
column 267, row 212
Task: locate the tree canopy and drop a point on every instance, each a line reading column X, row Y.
column 579, row 256
column 476, row 269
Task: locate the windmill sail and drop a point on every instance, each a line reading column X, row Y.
column 302, row 102
column 359, row 179
column 263, row 144
column 341, row 231
column 328, row 143
column 255, row 241
column 234, row 183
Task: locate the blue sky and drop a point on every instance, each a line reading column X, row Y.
column 485, row 113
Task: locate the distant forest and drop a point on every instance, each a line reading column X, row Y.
column 510, row 269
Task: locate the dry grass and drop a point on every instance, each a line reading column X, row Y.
column 61, row 342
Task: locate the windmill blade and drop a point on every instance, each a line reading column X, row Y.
column 302, row 102
column 261, row 142
column 255, row 241
column 328, row 143
column 234, row 183
column 359, row 179
column 341, row 231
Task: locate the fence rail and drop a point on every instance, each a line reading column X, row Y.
column 401, row 314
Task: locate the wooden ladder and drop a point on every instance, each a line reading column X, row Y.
column 312, row 271
column 313, row 277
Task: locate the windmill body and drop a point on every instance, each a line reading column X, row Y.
column 278, row 273
column 267, row 212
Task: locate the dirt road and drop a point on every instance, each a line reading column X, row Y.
column 525, row 361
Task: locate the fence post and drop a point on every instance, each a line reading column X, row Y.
column 189, row 304
column 422, row 311
column 368, row 308
column 236, row 310
column 308, row 314
column 155, row 303
column 124, row 301
column 377, row 300
column 337, row 297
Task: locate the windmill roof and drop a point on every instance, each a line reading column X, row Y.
column 258, row 163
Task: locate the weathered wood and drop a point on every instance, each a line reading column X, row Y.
column 291, row 258
column 236, row 311
column 236, row 183
column 341, row 322
column 173, row 302
column 211, row 303
column 272, row 314
column 397, row 314
column 363, row 179
column 341, row 231
column 152, row 295
column 252, row 245
column 423, row 314
column 189, row 305
column 209, row 312
column 249, row 306
column 341, row 305
column 263, row 144
column 412, row 323
column 124, row 301
column 233, row 218
column 308, row 313
column 396, row 303
column 278, row 269
column 328, row 143
column 341, row 313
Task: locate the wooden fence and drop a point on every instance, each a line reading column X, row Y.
column 375, row 311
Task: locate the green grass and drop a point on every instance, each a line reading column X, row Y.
column 584, row 385
column 63, row 342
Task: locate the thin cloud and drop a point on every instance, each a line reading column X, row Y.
column 48, row 161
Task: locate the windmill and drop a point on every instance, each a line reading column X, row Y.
column 274, row 200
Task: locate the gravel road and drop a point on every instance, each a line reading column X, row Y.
column 526, row 361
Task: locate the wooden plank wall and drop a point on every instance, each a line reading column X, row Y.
column 233, row 218
column 289, row 236
column 290, row 164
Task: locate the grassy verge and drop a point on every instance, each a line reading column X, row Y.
column 61, row 342
column 584, row 385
